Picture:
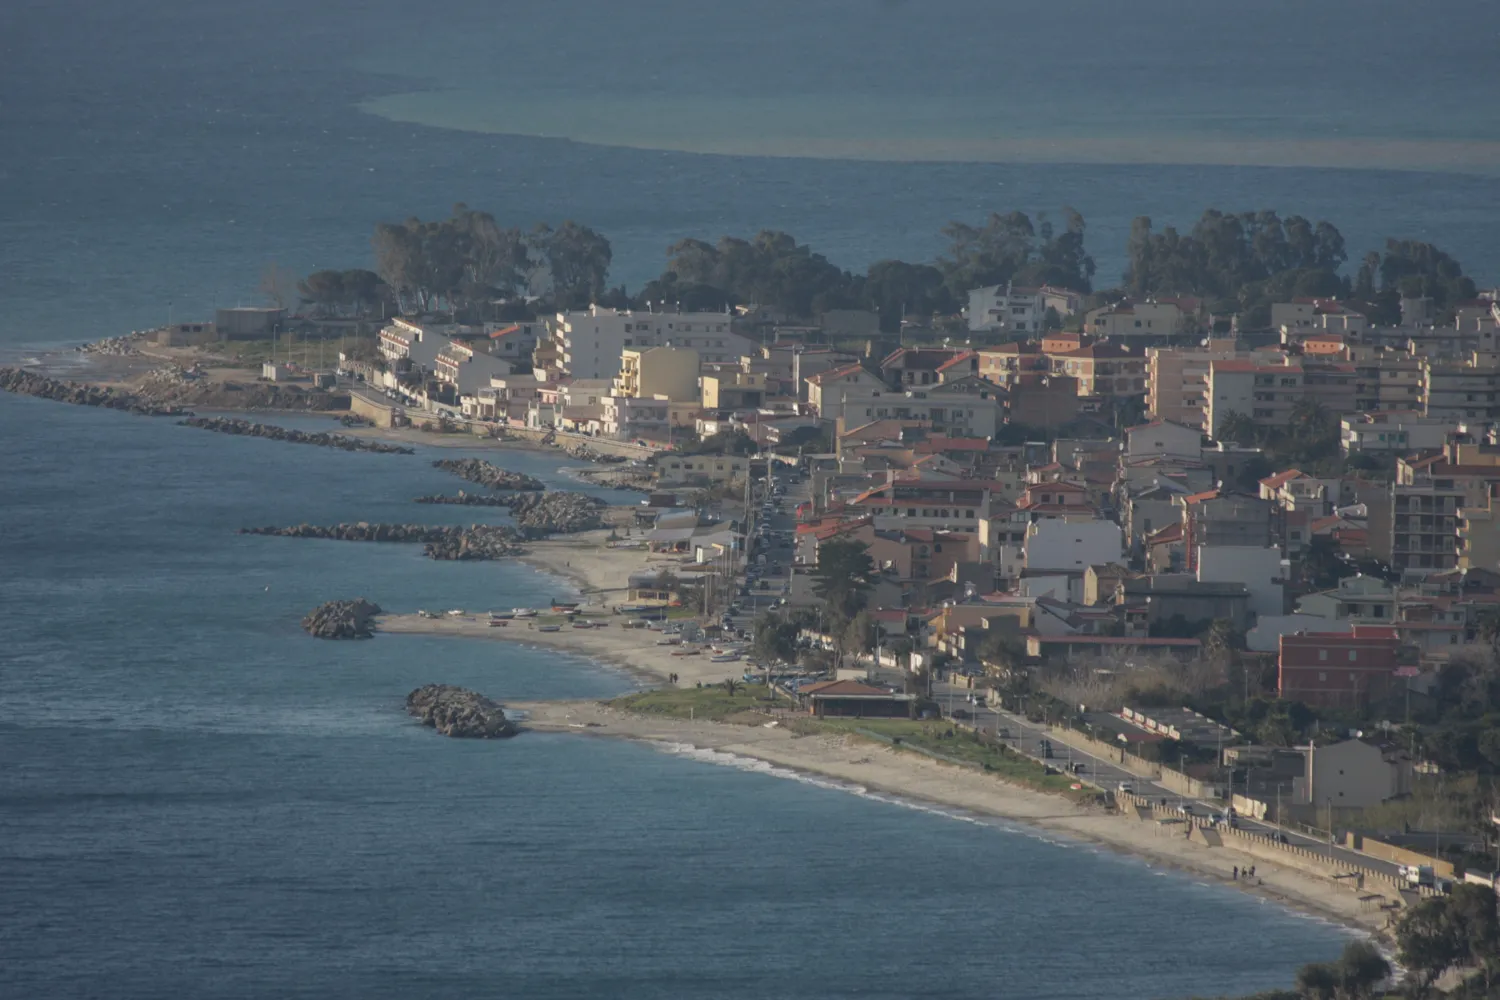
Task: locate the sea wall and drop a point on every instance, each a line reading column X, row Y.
column 1397, row 855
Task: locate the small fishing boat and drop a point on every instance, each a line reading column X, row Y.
column 498, row 623
column 583, row 624
column 549, row 628
column 724, row 658
column 523, row 612
column 687, row 652
column 501, row 615
column 456, row 613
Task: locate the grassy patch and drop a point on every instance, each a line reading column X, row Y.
column 308, row 352
column 713, row 703
column 960, row 745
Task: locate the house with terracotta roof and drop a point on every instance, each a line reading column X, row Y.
column 915, row 367
column 1002, row 364
column 1303, row 317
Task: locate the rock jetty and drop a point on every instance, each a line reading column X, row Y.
column 556, row 512
column 479, row 471
column 26, row 383
column 467, row 500
column 246, row 428
column 537, row 514
column 459, row 712
column 477, row 542
column 342, row 619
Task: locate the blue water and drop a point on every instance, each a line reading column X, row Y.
column 200, row 800
column 196, row 799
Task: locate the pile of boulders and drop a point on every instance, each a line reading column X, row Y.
column 556, row 512
column 343, row 619
column 467, row 500
column 25, row 383
column 459, row 712
column 246, row 428
column 478, row 471
column 115, row 346
column 441, row 542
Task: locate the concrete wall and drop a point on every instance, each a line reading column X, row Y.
column 1398, row 855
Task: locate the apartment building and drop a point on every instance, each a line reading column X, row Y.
column 1385, row 380
column 1423, row 529
column 1391, row 432
column 1103, row 370
column 590, row 342
column 1263, row 391
column 468, row 370
column 1461, row 392
column 1177, row 380
column 1155, row 319
column 954, row 505
column 1339, row 669
column 1006, row 363
column 1015, row 309
column 658, row 372
column 1305, row 316
column 734, row 390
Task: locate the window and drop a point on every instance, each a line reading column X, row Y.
column 1353, row 655
column 1322, row 676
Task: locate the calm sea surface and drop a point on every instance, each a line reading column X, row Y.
column 196, row 799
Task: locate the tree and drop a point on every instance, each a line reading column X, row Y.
column 860, row 635
column 1360, row 971
column 896, row 289
column 731, row 686
column 842, row 577
column 578, row 260
column 775, row 639
column 277, row 284
column 1236, row 427
column 1413, row 269
column 1321, row 565
column 1429, row 943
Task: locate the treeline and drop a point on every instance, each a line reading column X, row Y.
column 1243, row 263
column 472, row 266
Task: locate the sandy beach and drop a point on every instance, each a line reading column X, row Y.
column 602, row 575
column 873, row 767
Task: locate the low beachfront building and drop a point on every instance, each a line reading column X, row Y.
column 853, row 700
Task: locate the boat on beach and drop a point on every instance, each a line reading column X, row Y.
column 501, row 615
column 549, row 628
column 498, row 623
column 724, row 658
column 523, row 612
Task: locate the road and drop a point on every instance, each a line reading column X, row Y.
column 1027, row 737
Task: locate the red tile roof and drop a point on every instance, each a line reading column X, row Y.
column 1279, row 480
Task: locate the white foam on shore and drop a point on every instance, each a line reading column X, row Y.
column 753, row 765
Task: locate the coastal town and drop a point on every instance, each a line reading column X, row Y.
column 1238, row 586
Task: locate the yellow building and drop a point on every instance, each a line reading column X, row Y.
column 666, row 372
column 739, row 390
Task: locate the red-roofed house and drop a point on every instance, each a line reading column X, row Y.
column 1340, row 669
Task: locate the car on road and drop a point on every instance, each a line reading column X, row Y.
column 1127, row 788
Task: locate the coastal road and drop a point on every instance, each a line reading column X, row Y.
column 1027, row 737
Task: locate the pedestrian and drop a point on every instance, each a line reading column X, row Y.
column 1252, row 871
column 1235, row 873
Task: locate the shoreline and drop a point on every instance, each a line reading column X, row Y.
column 857, row 765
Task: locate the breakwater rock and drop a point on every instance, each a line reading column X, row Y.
column 443, row 542
column 26, row 383
column 556, row 512
column 459, row 712
column 246, row 428
column 479, row 471
column 463, row 499
column 342, row 619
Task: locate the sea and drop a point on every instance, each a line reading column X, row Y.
column 197, row 799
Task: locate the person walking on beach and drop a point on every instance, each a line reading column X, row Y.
column 1235, row 874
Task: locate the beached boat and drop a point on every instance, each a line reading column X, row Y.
column 673, row 641
column 456, row 613
column 498, row 623
column 724, row 658
column 523, row 612
column 583, row 624
column 563, row 605
column 687, row 652
column 549, row 628
column 501, row 615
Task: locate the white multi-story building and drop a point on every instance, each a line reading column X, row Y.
column 590, row 342
column 1012, row 308
column 1393, row 432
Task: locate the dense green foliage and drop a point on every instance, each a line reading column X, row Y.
column 842, row 579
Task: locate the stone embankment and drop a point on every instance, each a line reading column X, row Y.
column 537, row 514
column 463, row 499
column 343, row 619
column 459, row 712
column 556, row 512
column 26, row 383
column 246, row 428
column 479, row 471
column 442, row 542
